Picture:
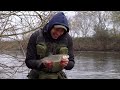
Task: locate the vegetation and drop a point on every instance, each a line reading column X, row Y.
column 91, row 30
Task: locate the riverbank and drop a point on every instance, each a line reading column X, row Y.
column 79, row 44
column 96, row 44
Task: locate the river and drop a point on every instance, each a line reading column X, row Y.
column 88, row 65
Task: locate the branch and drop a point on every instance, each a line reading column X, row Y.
column 19, row 33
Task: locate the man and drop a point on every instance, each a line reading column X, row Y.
column 51, row 38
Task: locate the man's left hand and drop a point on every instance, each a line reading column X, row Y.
column 64, row 62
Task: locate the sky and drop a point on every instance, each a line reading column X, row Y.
column 69, row 13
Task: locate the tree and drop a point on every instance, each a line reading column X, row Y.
column 15, row 30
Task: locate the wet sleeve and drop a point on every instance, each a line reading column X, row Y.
column 71, row 55
column 31, row 54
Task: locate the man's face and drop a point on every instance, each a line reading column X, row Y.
column 56, row 32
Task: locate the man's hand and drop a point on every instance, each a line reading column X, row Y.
column 48, row 64
column 64, row 62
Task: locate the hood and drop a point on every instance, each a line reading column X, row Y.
column 58, row 19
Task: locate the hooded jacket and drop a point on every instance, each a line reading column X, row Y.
column 32, row 58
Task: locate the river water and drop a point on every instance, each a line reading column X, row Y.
column 88, row 65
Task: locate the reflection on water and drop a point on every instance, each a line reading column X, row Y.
column 96, row 65
column 88, row 65
column 12, row 67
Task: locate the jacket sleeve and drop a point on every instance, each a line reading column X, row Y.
column 32, row 60
column 71, row 55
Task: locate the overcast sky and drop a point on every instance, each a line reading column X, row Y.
column 17, row 20
column 69, row 13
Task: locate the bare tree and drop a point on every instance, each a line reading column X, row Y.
column 15, row 30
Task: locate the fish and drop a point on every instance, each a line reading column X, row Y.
column 55, row 62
